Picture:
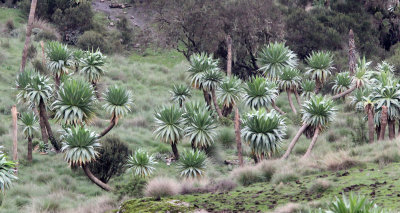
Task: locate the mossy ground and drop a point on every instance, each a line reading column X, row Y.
column 150, row 205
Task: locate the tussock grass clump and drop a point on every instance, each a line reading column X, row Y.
column 99, row 204
column 247, row 175
column 387, row 156
column 162, row 187
column 290, row 208
column 319, row 186
column 10, row 26
column 339, row 161
column 226, row 137
column 284, row 176
column 225, row 185
column 268, row 168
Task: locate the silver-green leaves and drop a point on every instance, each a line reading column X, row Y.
column 141, row 164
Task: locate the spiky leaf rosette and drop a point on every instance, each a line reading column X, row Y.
column 289, row 79
column 59, row 58
column 308, row 88
column 77, row 56
column 92, row 66
column 6, row 173
column 180, row 93
column 318, row 112
column 230, row 91
column 192, row 164
column 354, row 203
column 141, row 163
column 384, row 66
column 201, row 130
column 39, row 89
column 320, row 65
column 264, row 131
column 258, row 94
column 359, row 97
column 79, row 145
column 192, row 108
column 22, row 82
column 75, row 102
column 199, row 63
column 211, row 79
column 118, row 101
column 388, row 96
column 363, row 73
column 342, row 82
column 168, row 124
column 274, row 57
column 29, row 123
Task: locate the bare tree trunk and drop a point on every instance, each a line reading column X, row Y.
column 297, row 97
column 57, row 80
column 214, row 99
column 96, row 90
column 175, row 151
column 14, row 114
column 113, row 122
column 255, row 158
column 318, row 86
column 384, row 120
column 28, row 34
column 352, row 53
column 43, row 114
column 312, row 144
column 289, row 94
column 227, row 110
column 277, row 108
column 207, row 97
column 94, row 179
column 43, row 56
column 294, row 141
column 351, row 89
column 398, row 132
column 30, row 148
column 371, row 131
column 238, row 136
column 43, row 130
column 378, row 131
column 229, row 57
column 392, row 131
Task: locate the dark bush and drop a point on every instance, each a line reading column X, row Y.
column 46, row 35
column 38, row 66
column 92, row 39
column 32, row 51
column 111, row 160
column 10, row 25
column 133, row 188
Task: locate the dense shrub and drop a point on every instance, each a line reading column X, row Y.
column 111, row 160
column 10, row 25
column 284, row 177
column 32, row 51
column 226, row 137
column 132, row 188
column 92, row 39
column 38, row 66
column 319, row 186
column 162, row 187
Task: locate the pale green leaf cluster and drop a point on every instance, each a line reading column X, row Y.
column 59, row 58
column 141, row 163
column 39, row 89
column 318, row 111
column 192, row 164
column 92, row 66
column 230, row 91
column 29, row 123
column 199, row 64
column 320, row 65
column 180, row 93
column 118, row 101
column 308, row 88
column 289, row 79
column 259, row 93
column 168, row 121
column 201, row 128
column 341, row 83
column 6, row 173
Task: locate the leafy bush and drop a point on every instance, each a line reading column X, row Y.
column 192, row 164
column 111, row 160
column 39, row 67
column 162, row 187
column 93, row 40
column 43, row 147
column 226, row 137
column 141, row 164
column 354, row 203
column 132, row 188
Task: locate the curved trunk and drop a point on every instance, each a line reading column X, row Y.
column 277, row 108
column 289, row 94
column 384, row 121
column 207, row 97
column 214, row 99
column 371, row 130
column 312, row 144
column 94, row 179
column 29, row 156
column 43, row 113
column 344, row 93
column 113, row 122
column 96, row 90
column 28, row 34
column 392, row 130
column 175, row 151
column 238, row 136
column 297, row 97
column 294, row 141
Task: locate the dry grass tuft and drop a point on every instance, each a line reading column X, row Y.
column 46, row 28
column 289, row 208
column 247, row 175
column 98, row 205
column 319, row 186
column 339, row 161
column 162, row 187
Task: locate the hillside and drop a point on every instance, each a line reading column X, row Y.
column 341, row 162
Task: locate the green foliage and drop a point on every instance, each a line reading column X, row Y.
column 43, row 147
column 192, row 164
column 342, row 82
column 354, row 204
column 93, row 40
column 133, row 187
column 6, row 172
column 230, row 91
column 263, row 131
column 180, row 93
column 320, row 65
column 226, row 137
column 289, row 79
column 92, row 65
column 358, row 98
column 211, row 79
column 59, row 58
column 308, row 87
column 141, row 164
column 22, row 82
column 75, row 102
column 80, row 146
column 193, row 108
column 118, row 101
column 259, row 94
column 111, row 160
column 29, row 122
column 274, row 57
column 199, row 64
column 168, row 124
column 39, row 89
column 318, row 111
column 388, row 96
column 201, row 129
